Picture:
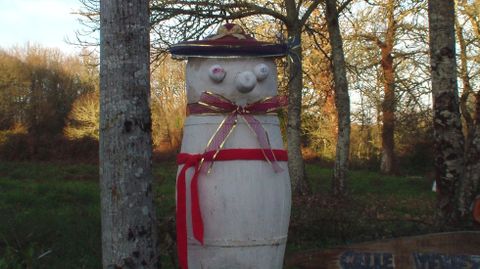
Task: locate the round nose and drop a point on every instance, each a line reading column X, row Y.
column 245, row 81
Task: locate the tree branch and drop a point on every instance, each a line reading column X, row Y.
column 343, row 6
column 309, row 11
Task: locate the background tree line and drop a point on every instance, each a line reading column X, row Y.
column 49, row 105
column 37, row 89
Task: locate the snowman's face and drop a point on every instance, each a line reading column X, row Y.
column 241, row 80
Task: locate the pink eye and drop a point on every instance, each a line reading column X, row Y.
column 216, row 73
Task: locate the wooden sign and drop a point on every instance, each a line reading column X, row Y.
column 459, row 250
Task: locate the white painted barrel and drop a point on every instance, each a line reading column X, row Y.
column 245, row 205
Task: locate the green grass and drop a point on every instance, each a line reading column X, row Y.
column 48, row 216
column 50, row 213
column 377, row 207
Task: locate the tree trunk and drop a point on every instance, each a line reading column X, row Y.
column 448, row 136
column 32, row 116
column 470, row 185
column 342, row 100
column 388, row 162
column 296, row 164
column 467, row 87
column 129, row 233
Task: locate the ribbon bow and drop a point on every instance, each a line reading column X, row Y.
column 214, row 103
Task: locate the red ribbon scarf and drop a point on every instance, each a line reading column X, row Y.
column 213, row 103
column 193, row 160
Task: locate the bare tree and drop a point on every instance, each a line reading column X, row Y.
column 387, row 164
column 342, row 99
column 449, row 141
column 391, row 43
column 129, row 233
column 83, row 119
column 467, row 32
column 168, row 104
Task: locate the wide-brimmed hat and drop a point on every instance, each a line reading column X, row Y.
column 230, row 41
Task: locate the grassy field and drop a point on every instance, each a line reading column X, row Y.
column 50, row 213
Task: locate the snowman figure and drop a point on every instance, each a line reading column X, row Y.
column 233, row 187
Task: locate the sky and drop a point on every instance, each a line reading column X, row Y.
column 44, row 22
